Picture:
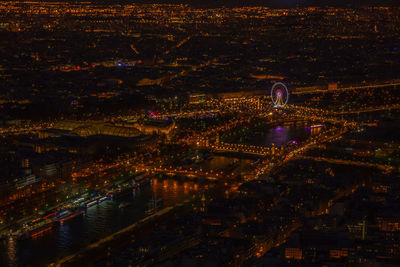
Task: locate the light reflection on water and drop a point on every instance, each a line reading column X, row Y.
column 12, row 252
column 171, row 191
column 99, row 221
column 284, row 134
column 276, row 136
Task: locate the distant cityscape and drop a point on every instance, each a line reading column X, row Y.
column 137, row 134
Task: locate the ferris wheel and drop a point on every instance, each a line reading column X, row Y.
column 279, row 95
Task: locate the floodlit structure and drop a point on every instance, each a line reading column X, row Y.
column 279, row 95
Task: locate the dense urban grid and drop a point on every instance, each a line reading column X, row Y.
column 175, row 135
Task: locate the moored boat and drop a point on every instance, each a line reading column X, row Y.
column 35, row 228
column 70, row 215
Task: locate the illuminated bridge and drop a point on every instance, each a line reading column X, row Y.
column 240, row 148
column 209, row 174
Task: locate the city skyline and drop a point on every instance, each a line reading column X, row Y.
column 199, row 134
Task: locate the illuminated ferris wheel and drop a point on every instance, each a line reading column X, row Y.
column 279, row 95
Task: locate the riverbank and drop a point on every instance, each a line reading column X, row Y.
column 114, row 242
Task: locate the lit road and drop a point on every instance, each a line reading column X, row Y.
column 350, row 88
column 382, row 167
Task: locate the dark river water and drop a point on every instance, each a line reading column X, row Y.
column 272, row 135
column 99, row 221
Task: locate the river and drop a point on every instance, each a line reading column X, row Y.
column 98, row 221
